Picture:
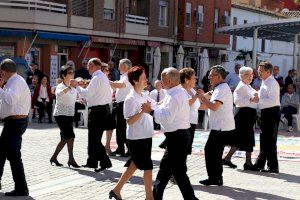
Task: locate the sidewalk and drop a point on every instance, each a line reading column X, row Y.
column 62, row 183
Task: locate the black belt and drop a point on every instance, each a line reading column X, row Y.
column 99, row 106
column 121, row 103
column 179, row 131
column 15, row 117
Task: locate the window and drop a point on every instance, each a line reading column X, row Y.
column 163, row 13
column 200, row 16
column 216, row 20
column 234, row 37
column 188, row 14
column 263, row 45
column 245, row 22
column 109, row 9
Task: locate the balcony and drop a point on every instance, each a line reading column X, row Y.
column 37, row 14
column 136, row 25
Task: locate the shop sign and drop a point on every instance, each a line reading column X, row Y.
column 53, row 70
column 118, row 41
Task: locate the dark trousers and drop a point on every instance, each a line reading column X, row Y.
column 288, row 114
column 45, row 106
column 174, row 163
column 10, row 149
column 191, row 140
column 268, row 138
column 96, row 124
column 121, row 128
column 213, row 152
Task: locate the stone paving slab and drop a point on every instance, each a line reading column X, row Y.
column 48, row 182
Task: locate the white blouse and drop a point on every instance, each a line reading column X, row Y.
column 143, row 127
column 242, row 95
column 43, row 94
column 65, row 102
column 194, row 108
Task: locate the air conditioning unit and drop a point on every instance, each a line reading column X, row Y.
column 149, row 56
column 199, row 19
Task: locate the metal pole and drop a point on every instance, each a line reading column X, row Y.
column 295, row 52
column 254, row 50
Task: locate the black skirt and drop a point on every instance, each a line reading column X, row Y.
column 244, row 121
column 65, row 124
column 140, row 151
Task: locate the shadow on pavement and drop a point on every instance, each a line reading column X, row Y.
column 2, row 196
column 287, row 177
column 237, row 193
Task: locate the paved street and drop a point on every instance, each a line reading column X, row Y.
column 50, row 182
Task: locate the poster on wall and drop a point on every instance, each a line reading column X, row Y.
column 28, row 58
column 53, row 70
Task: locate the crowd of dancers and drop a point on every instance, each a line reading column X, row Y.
column 173, row 107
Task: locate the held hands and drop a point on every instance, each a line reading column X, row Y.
column 255, row 98
column 146, row 107
column 73, row 83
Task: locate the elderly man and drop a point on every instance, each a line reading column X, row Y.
column 269, row 103
column 83, row 72
column 123, row 87
column 98, row 96
column 221, row 122
column 115, row 74
column 16, row 101
column 158, row 94
column 173, row 115
column 233, row 79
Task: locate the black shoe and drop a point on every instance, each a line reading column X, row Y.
column 50, row 122
column 89, row 166
column 17, row 193
column 254, row 168
column 229, row 164
column 211, row 182
column 55, row 162
column 73, row 164
column 249, row 167
column 112, row 194
column 118, row 152
column 103, row 168
column 269, row 170
column 40, row 121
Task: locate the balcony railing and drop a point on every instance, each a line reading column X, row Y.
column 34, row 5
column 136, row 19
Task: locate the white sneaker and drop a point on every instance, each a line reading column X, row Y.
column 283, row 120
column 290, row 129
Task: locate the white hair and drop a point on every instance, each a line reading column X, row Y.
column 172, row 73
column 157, row 81
column 244, row 70
column 126, row 62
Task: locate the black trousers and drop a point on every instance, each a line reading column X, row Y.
column 192, row 135
column 45, row 106
column 10, row 149
column 288, row 114
column 96, row 124
column 268, row 138
column 174, row 163
column 121, row 128
column 213, row 152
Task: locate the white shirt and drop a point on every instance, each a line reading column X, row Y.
column 98, row 91
column 143, row 127
column 233, row 80
column 223, row 118
column 15, row 97
column 194, row 108
column 121, row 93
column 43, row 94
column 174, row 112
column 269, row 93
column 242, row 95
column 162, row 93
column 65, row 102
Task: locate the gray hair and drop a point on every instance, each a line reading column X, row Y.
column 156, row 82
column 126, row 62
column 244, row 70
column 8, row 65
column 172, row 73
column 219, row 69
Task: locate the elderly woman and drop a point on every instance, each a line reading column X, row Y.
column 43, row 98
column 63, row 112
column 245, row 100
column 188, row 81
column 290, row 106
column 139, row 133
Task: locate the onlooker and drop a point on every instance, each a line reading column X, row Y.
column 278, row 78
column 43, row 99
column 139, row 133
column 233, row 79
column 256, row 83
column 80, row 103
column 269, row 104
column 115, row 73
column 83, row 72
column 34, row 83
column 34, row 71
column 290, row 79
column 221, row 122
column 158, row 94
column 15, row 97
column 289, row 106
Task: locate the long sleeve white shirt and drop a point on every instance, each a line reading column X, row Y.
column 65, row 102
column 15, row 97
column 98, row 91
column 242, row 95
column 121, row 93
column 174, row 112
column 269, row 93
